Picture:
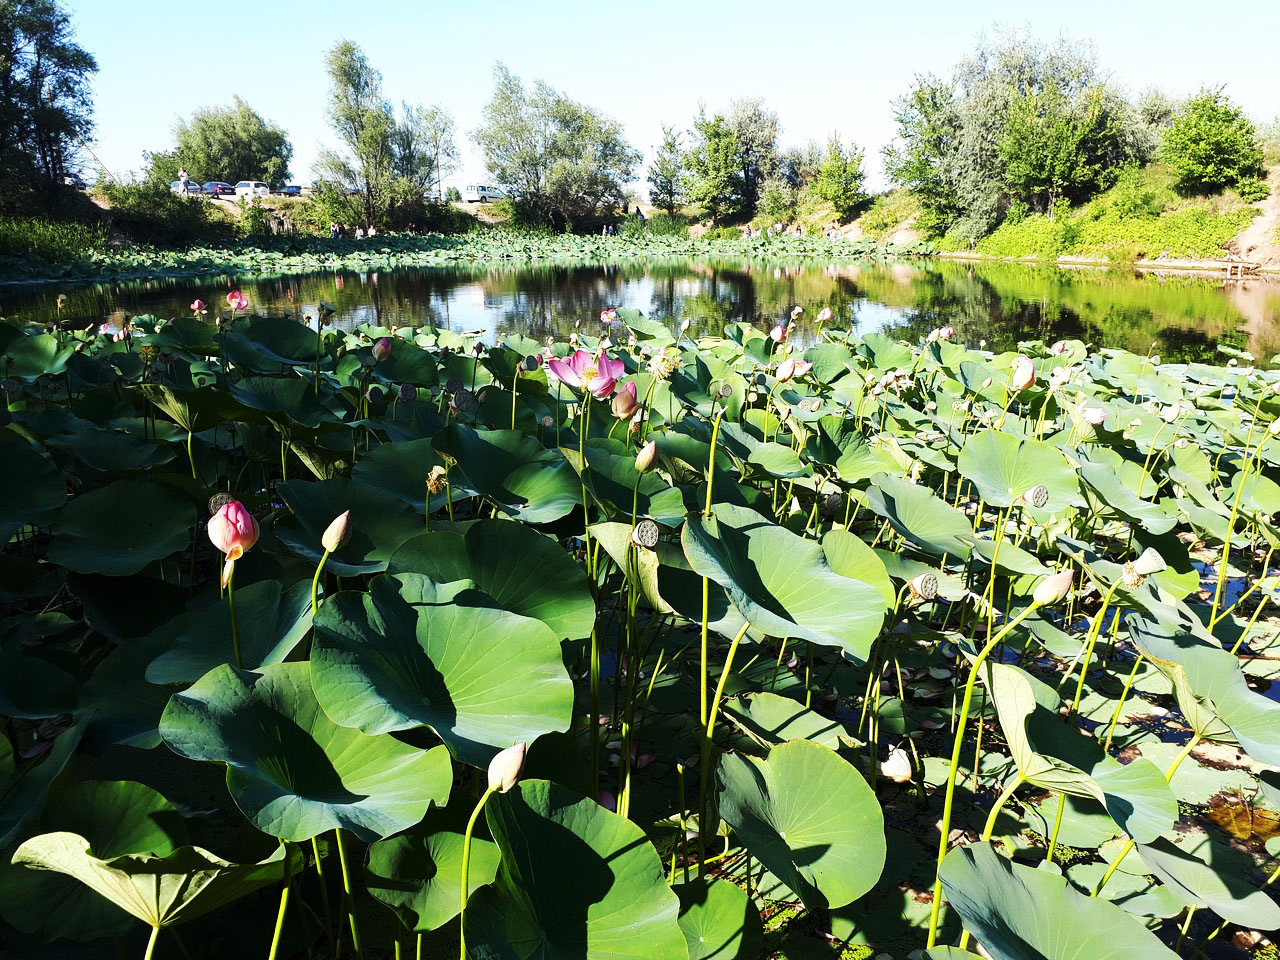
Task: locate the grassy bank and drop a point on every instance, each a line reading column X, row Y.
column 1141, row 217
column 301, row 254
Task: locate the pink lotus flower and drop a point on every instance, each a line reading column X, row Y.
column 233, row 531
column 778, row 333
column 237, row 301
column 608, row 316
column 824, row 314
column 624, row 401
column 597, row 375
column 1059, row 348
column 946, row 333
column 803, row 367
column 1093, row 415
column 1023, row 375
column 382, row 350
column 197, row 306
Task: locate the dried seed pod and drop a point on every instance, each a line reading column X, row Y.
column 436, row 480
column 453, row 385
column 464, row 399
column 925, row 586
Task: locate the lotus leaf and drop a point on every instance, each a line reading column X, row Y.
column 525, row 479
column 119, row 529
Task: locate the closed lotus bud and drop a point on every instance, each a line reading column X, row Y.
column 1023, row 374
column 778, row 333
column 925, row 586
column 824, row 314
column 1274, row 429
column 382, row 350
column 1037, row 496
column 504, row 769
column 233, row 530
column 624, row 402
column 1053, row 588
column 786, row 370
column 1150, row 562
column 897, row 767
column 986, row 383
column 684, row 325
column 1172, row 412
column 946, row 333
column 647, row 456
column 337, row 533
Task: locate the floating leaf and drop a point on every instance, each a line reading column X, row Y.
column 120, row 528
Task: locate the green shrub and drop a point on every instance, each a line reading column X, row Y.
column 49, row 240
column 452, row 195
column 888, row 212
column 1211, row 144
column 253, row 218
column 1253, row 189
column 668, row 224
column 150, row 213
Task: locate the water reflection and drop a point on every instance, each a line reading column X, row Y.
column 1180, row 317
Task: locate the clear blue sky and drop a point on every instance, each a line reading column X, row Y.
column 824, row 66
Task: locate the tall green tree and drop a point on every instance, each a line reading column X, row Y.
column 713, row 181
column 225, row 143
column 562, row 161
column 666, row 173
column 841, row 178
column 46, row 110
column 1211, row 144
column 755, row 130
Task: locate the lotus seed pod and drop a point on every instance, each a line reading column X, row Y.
column 408, row 392
column 1149, row 562
column 925, row 586
column 1052, row 589
column 645, row 534
column 337, row 532
column 218, row 501
column 1037, row 496
column 504, row 769
column 453, row 385
column 547, row 422
column 464, row 399
column 726, row 391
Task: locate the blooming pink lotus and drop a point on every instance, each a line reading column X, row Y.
column 197, row 306
column 1023, row 375
column 1093, row 415
column 597, row 375
column 382, row 350
column 608, row 316
column 824, row 315
column 237, row 301
column 233, row 530
column 625, row 401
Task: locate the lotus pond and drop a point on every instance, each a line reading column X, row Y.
column 644, row 641
column 1180, row 317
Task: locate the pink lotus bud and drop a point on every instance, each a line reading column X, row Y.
column 382, row 350
column 504, row 769
column 337, row 533
column 233, row 530
column 624, row 401
column 946, row 333
column 197, row 306
column 824, row 314
column 786, row 370
column 778, row 333
column 1023, row 375
column 646, row 457
column 1053, row 588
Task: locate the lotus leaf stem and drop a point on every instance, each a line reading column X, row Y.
column 1124, row 696
column 151, row 943
column 235, row 624
column 315, row 583
column 347, row 894
column 284, row 902
column 466, row 870
column 704, row 765
column 324, row 888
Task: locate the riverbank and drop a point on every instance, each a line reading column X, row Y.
column 276, row 255
column 1213, row 267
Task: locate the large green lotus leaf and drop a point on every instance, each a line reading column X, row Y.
column 295, row 398
column 1209, row 685
column 32, row 688
column 31, row 488
column 611, row 478
column 719, row 921
column 400, row 657
column 1020, row 913
column 779, row 460
column 124, row 707
column 1200, row 880
column 667, row 582
column 526, row 572
column 808, row 816
column 31, row 357
column 782, row 583
column 854, row 458
column 272, row 623
column 1103, row 478
column 159, row 890
column 198, row 408
column 1009, row 558
column 849, row 556
column 524, row 478
column 418, row 874
column 401, row 469
column 115, row 450
column 918, row 514
column 1004, row 467
column 576, row 882
column 115, row 818
column 1141, row 896
column 120, row 528
column 282, row 339
column 380, row 522
column 290, row 769
column 773, row 719
column 1054, row 756
column 25, row 785
column 407, row 363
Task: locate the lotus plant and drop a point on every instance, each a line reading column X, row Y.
column 233, row 530
column 594, row 375
column 504, row 771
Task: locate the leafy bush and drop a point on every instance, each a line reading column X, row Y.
column 453, row 195
column 777, row 201
column 1253, row 189
column 52, row 241
column 888, row 212
column 1211, row 144
column 153, row 214
column 253, row 218
column 668, row 224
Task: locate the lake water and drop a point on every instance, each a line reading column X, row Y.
column 1185, row 317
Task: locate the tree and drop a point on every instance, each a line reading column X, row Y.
column 755, row 130
column 46, row 110
column 229, row 143
column 922, row 158
column 713, row 178
column 561, row 160
column 1211, row 144
column 424, row 150
column 666, row 173
column 840, row 179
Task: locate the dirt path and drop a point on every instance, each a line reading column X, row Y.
column 1257, row 242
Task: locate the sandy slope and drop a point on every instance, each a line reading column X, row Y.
column 1257, row 242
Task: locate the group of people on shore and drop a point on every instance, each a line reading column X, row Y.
column 336, row 231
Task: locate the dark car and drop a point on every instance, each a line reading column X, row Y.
column 216, row 188
column 292, row 190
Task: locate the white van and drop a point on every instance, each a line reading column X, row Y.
column 482, row 194
column 252, row 188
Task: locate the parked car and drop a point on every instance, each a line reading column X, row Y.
column 291, row 190
column 482, row 194
column 216, row 188
column 252, row 188
column 188, row 188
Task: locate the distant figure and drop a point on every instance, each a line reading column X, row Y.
column 373, row 232
column 639, row 215
column 183, row 178
column 333, row 230
column 604, row 230
column 359, row 233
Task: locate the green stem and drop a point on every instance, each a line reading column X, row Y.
column 466, row 869
column 235, row 624
column 284, row 902
column 956, row 746
column 704, row 766
column 348, row 895
column 315, row 584
column 324, row 888
column 191, row 458
column 990, row 826
column 1057, row 825
column 1088, row 653
column 151, row 943
column 1124, row 695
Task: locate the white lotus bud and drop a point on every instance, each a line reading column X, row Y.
column 1052, row 589
column 1274, row 429
column 1171, row 412
column 337, row 533
column 504, row 769
column 646, row 457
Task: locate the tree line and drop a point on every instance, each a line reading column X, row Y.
column 1017, row 127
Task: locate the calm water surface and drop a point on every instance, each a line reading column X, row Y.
column 1184, row 317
